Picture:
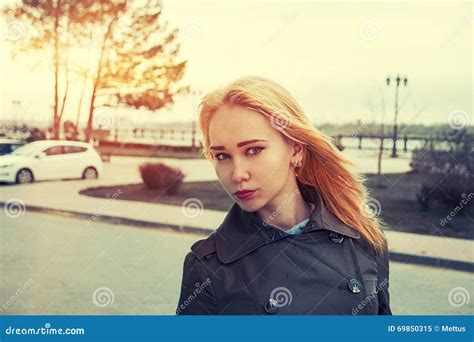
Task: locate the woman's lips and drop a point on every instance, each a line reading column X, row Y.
column 245, row 194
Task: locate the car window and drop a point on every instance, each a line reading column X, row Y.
column 74, row 149
column 14, row 147
column 28, row 149
column 5, row 148
column 54, row 150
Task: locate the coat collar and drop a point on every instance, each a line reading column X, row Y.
column 243, row 232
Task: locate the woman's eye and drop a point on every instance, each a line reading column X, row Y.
column 220, row 156
column 250, row 151
column 255, row 150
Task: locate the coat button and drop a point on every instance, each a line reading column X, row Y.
column 354, row 285
column 336, row 238
column 271, row 306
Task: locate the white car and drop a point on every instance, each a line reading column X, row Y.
column 50, row 159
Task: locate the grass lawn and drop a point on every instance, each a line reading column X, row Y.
column 400, row 210
column 397, row 197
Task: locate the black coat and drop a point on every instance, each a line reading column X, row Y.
column 248, row 268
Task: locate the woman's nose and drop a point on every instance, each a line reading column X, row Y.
column 240, row 172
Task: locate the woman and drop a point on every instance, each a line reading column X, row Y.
column 298, row 240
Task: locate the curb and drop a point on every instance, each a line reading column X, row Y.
column 432, row 261
column 394, row 256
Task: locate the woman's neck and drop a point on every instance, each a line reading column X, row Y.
column 285, row 211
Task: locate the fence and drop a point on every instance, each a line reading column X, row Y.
column 188, row 136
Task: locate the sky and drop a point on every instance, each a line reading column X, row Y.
column 333, row 56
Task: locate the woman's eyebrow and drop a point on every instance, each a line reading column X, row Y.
column 240, row 144
column 243, row 143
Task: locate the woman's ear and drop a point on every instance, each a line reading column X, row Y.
column 297, row 157
column 297, row 149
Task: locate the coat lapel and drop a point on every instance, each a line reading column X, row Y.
column 243, row 232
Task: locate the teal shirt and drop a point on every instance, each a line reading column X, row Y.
column 299, row 227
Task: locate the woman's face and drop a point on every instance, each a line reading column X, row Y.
column 249, row 154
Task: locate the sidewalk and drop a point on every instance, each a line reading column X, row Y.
column 50, row 197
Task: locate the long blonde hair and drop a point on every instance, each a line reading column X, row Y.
column 324, row 168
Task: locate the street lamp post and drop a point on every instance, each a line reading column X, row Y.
column 395, row 127
column 17, row 114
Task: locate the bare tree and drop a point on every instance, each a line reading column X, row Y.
column 138, row 64
column 136, row 61
column 51, row 26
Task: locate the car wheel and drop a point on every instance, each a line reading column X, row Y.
column 24, row 176
column 90, row 173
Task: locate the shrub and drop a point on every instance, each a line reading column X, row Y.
column 448, row 169
column 160, row 176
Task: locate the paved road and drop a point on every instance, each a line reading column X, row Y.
column 54, row 265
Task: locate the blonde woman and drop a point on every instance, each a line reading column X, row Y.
column 297, row 241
